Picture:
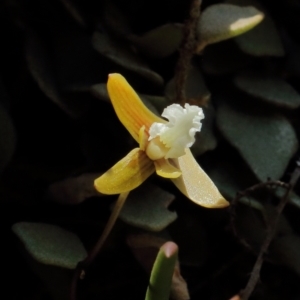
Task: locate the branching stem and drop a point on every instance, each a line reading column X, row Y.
column 271, row 229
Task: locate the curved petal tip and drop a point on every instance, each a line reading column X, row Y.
column 196, row 185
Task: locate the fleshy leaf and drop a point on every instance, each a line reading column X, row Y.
column 162, row 272
column 144, row 248
column 127, row 174
column 129, row 108
column 159, row 42
column 196, row 185
column 147, row 208
column 267, row 142
column 224, row 21
column 122, row 55
column 50, row 245
column 269, row 89
column 264, row 39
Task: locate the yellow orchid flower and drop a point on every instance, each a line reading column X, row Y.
column 163, row 146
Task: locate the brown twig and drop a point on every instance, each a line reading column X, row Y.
column 82, row 266
column 260, row 186
column 186, row 51
column 271, row 230
column 244, row 193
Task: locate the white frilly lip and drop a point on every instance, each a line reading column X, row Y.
column 179, row 132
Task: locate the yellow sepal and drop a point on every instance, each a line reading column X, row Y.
column 127, row 174
column 165, row 169
column 129, row 108
column 195, row 183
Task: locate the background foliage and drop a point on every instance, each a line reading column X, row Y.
column 58, row 132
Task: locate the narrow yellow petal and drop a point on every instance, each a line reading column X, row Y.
column 128, row 106
column 195, row 183
column 126, row 175
column 143, row 138
column 165, row 169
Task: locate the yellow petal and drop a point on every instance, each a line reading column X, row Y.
column 165, row 169
column 128, row 106
column 143, row 138
column 195, row 183
column 126, row 175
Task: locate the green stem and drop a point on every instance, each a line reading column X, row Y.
column 82, row 266
column 162, row 272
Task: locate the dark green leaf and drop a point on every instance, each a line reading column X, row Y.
column 147, row 208
column 263, row 39
column 266, row 142
column 159, row 42
column 220, row 22
column 269, row 89
column 50, row 245
column 122, row 55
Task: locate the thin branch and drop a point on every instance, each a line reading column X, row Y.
column 186, row 51
column 271, row 231
column 82, row 266
column 245, row 193
column 260, row 186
